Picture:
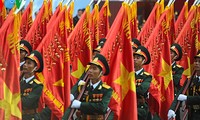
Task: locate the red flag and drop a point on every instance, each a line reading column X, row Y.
column 104, row 15
column 122, row 75
column 3, row 15
column 133, row 20
column 38, row 29
column 150, row 24
column 26, row 21
column 94, row 28
column 55, row 51
column 1, row 4
column 10, row 101
column 80, row 46
column 187, row 40
column 158, row 44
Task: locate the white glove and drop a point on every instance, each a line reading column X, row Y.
column 76, row 104
column 81, row 82
column 171, row 114
column 71, row 97
column 182, row 97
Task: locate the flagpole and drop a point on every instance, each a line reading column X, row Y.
column 98, row 2
column 195, row 2
column 91, row 2
column 169, row 3
column 21, row 6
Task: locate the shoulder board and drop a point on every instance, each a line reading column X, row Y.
column 37, row 81
column 179, row 66
column 105, row 86
column 146, row 73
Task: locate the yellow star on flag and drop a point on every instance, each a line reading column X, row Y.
column 187, row 72
column 126, row 80
column 10, row 103
column 79, row 71
column 59, row 83
column 166, row 73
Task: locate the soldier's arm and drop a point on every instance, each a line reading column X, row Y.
column 99, row 107
column 143, row 88
column 34, row 95
column 177, row 76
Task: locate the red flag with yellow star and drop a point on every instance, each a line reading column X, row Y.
column 56, row 73
column 38, row 28
column 187, row 40
column 104, row 15
column 26, row 21
column 158, row 44
column 181, row 19
column 80, row 46
column 122, row 76
column 150, row 24
column 10, row 100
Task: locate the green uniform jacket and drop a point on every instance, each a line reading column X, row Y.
column 143, row 80
column 177, row 72
column 30, row 93
column 94, row 102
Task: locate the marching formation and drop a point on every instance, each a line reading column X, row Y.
column 56, row 67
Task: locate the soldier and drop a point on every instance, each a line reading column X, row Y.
column 31, row 88
column 25, row 50
column 99, row 47
column 135, row 43
column 177, row 70
column 194, row 92
column 143, row 80
column 96, row 97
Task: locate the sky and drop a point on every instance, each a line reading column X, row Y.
column 78, row 4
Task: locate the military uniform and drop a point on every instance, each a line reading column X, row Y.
column 94, row 101
column 30, row 95
column 177, row 72
column 143, row 80
column 31, row 89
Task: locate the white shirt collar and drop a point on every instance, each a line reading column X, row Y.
column 28, row 79
column 95, row 85
column 21, row 63
column 137, row 72
column 173, row 63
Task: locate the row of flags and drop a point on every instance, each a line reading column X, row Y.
column 63, row 44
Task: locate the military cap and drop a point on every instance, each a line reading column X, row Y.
column 142, row 51
column 135, row 43
column 198, row 54
column 100, row 45
column 101, row 62
column 178, row 50
column 37, row 58
column 26, row 46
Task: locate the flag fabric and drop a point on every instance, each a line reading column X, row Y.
column 69, row 17
column 181, row 19
column 122, row 75
column 133, row 20
column 150, row 24
column 55, row 51
column 26, row 21
column 38, row 28
column 104, row 15
column 94, row 28
column 187, row 40
column 10, row 100
column 3, row 14
column 1, row 4
column 161, row 88
column 80, row 46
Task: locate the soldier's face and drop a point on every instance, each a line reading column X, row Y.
column 138, row 61
column 173, row 55
column 94, row 73
column 22, row 55
column 29, row 66
column 197, row 64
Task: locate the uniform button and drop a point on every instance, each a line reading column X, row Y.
column 142, row 106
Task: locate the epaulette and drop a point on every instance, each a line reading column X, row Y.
column 179, row 66
column 105, row 86
column 37, row 81
column 146, row 73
